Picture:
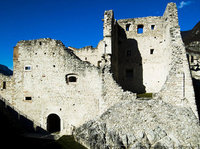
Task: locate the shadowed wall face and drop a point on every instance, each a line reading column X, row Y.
column 140, row 54
column 130, row 66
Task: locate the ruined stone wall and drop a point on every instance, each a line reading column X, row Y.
column 108, row 31
column 143, row 53
column 43, row 70
column 90, row 54
column 147, row 50
column 6, row 87
column 178, row 88
column 51, row 79
column 45, row 82
column 141, row 57
column 112, row 92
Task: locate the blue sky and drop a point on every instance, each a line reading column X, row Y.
column 76, row 23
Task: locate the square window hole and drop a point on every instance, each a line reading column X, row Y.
column 140, row 29
column 28, row 98
column 151, row 51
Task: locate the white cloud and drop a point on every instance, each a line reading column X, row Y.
column 183, row 3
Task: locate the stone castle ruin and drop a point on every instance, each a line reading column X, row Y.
column 61, row 88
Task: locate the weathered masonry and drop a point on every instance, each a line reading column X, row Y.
column 72, row 86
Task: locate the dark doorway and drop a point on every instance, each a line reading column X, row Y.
column 53, row 123
column 4, row 84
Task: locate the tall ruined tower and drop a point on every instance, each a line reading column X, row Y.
column 178, row 88
column 148, row 55
column 108, row 31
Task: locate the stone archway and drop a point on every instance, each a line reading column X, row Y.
column 53, row 123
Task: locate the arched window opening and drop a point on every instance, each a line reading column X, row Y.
column 53, row 123
column 70, row 78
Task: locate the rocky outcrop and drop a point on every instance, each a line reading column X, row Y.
column 141, row 124
column 192, row 35
column 191, row 39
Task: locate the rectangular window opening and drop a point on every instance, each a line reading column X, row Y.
column 151, row 51
column 72, row 79
column 4, row 84
column 127, row 27
column 28, row 98
column 152, row 27
column 129, row 73
column 27, row 68
column 140, row 29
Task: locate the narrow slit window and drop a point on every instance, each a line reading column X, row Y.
column 28, row 98
column 128, row 27
column 152, row 27
column 151, row 51
column 4, row 84
column 192, row 59
column 140, row 29
column 187, row 57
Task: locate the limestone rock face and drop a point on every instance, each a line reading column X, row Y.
column 141, row 124
column 191, row 36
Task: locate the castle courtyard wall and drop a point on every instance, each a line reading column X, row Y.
column 79, row 85
column 45, row 88
column 45, row 82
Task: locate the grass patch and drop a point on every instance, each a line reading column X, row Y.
column 68, row 142
column 65, row 142
column 145, row 95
